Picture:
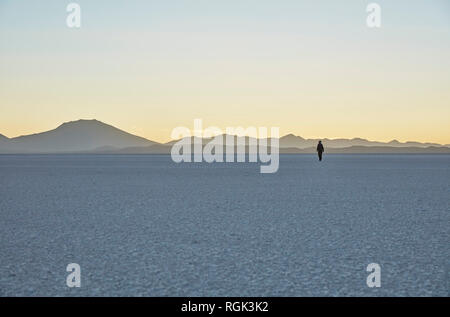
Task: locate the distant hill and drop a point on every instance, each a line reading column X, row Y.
column 3, row 138
column 81, row 135
column 165, row 149
column 291, row 140
column 93, row 136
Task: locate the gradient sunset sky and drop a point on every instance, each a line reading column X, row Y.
column 312, row 68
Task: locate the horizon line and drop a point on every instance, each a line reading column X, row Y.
column 285, row 135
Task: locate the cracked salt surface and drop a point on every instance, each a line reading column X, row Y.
column 144, row 226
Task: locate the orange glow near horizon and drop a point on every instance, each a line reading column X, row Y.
column 338, row 79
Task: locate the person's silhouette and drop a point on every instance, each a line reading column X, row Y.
column 320, row 150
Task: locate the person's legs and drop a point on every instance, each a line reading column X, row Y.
column 320, row 156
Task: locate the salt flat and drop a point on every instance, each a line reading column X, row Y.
column 141, row 225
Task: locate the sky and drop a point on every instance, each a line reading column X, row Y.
column 312, row 68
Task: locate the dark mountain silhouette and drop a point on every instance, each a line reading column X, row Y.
column 291, row 140
column 92, row 136
column 81, row 135
column 2, row 137
column 297, row 142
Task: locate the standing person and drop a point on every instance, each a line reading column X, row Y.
column 320, row 150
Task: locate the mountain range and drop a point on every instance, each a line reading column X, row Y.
column 93, row 136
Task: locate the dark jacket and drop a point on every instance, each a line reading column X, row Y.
column 320, row 147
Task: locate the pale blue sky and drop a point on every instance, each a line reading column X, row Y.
column 148, row 66
column 230, row 15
